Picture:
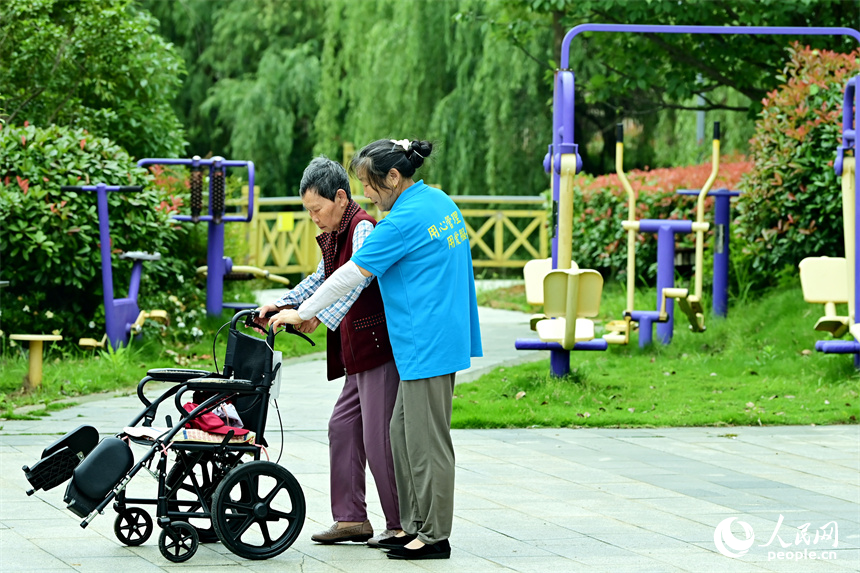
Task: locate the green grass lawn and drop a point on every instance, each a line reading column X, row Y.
column 758, row 366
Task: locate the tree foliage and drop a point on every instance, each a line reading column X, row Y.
column 50, row 238
column 253, row 81
column 637, row 75
column 99, row 66
column 792, row 207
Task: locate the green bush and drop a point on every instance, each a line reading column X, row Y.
column 50, row 241
column 792, row 204
column 600, row 205
column 97, row 65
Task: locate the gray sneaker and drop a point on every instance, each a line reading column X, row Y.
column 374, row 541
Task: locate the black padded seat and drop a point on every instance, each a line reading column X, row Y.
column 176, row 374
column 141, row 256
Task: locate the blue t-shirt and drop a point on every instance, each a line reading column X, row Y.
column 421, row 257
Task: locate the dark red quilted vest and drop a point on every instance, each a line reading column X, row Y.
column 361, row 341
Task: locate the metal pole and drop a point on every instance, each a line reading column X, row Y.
column 720, row 289
column 115, row 332
column 665, row 279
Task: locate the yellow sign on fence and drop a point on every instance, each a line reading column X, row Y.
column 286, row 222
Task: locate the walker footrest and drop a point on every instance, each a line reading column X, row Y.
column 158, row 315
column 97, row 475
column 615, row 338
column 618, row 331
column 61, row 458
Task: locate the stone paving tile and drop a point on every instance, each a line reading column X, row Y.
column 489, row 544
column 516, row 524
column 550, row 564
column 114, row 564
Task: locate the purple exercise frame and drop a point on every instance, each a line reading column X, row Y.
column 120, row 313
column 563, row 133
column 218, row 264
column 850, row 100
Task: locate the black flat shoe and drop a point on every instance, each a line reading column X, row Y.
column 395, row 542
column 438, row 550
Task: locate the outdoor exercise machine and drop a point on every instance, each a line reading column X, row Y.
column 722, row 233
column 833, row 280
column 563, row 161
column 122, row 315
column 218, row 267
column 666, row 229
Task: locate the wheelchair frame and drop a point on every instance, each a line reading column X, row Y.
column 208, row 484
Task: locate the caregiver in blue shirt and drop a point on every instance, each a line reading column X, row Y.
column 420, row 255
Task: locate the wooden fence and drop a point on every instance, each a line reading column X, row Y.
column 504, row 231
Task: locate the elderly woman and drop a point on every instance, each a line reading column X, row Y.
column 358, row 348
column 421, row 258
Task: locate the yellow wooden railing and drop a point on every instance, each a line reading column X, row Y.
column 504, row 231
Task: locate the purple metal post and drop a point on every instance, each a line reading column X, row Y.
column 559, row 363
column 665, row 279
column 115, row 333
column 666, row 230
column 856, row 214
column 722, row 233
column 216, row 269
column 136, row 275
column 722, row 222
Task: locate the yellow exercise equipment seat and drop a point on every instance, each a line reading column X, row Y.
column 824, row 280
column 534, row 273
column 571, row 296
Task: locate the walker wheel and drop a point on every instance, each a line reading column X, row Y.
column 132, row 526
column 178, row 542
column 258, row 510
column 189, row 488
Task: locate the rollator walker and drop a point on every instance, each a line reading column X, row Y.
column 207, row 489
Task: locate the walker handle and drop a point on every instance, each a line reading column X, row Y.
column 288, row 328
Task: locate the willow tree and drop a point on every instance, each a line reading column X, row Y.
column 438, row 71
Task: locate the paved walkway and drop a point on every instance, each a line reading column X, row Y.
column 530, row 500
